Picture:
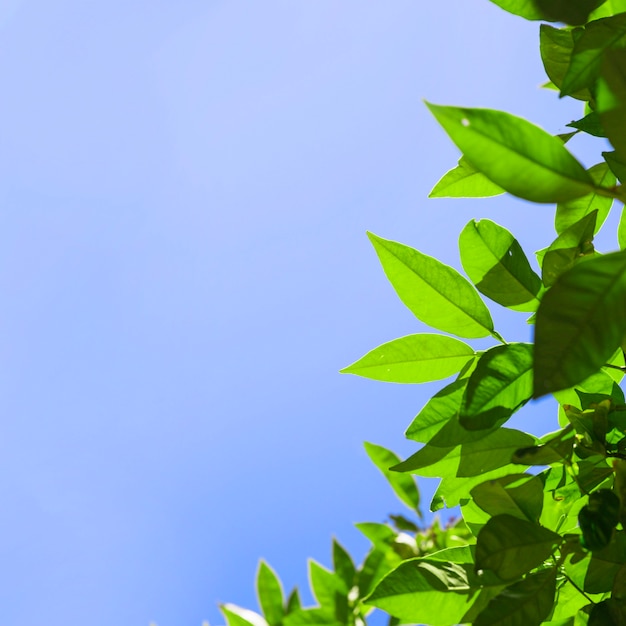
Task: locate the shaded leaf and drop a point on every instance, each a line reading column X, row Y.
column 556, row 449
column 589, row 49
column 500, row 384
column 435, row 293
column 556, row 46
column 589, row 124
column 293, row 601
column 497, row 265
column 611, row 99
column 568, row 248
column 568, row 213
column 511, row 547
column 580, row 323
column 524, row 8
column 464, row 181
column 617, row 165
column 413, row 359
column 404, row 486
column 519, row 495
column 526, row 603
column 516, row 155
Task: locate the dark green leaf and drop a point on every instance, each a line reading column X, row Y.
column 413, row 359
column 404, row 486
column 607, row 613
column 436, row 293
column 589, row 50
column 556, row 45
column 516, row 155
column 293, row 602
column 497, row 265
column 569, row 247
column 511, row 546
column 621, row 230
column 465, row 182
column 580, row 323
column 598, row 519
column 568, row 213
column 589, row 124
column 500, row 384
column 611, row 99
column 270, row 594
column 526, row 603
column 554, row 450
column 524, row 8
column 343, row 565
column 617, row 165
column 519, row 495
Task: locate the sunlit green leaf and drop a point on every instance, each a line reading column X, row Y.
column 464, row 181
column 589, row 50
column 238, row 616
column 523, row 8
column 516, row 155
column 329, row 589
column 568, row 213
column 568, row 248
column 343, row 564
column 500, row 384
column 497, row 265
column 413, row 359
column 580, row 323
column 511, row 546
column 270, row 594
column 608, row 8
column 312, row 617
column 402, row 484
column 552, row 449
column 436, row 293
column 528, row 602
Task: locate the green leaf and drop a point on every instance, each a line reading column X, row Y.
column 403, row 485
column 556, row 46
column 617, row 165
column 237, row 616
column 574, row 12
column 516, row 155
column 499, row 386
column 464, row 181
column 511, row 547
column 519, row 495
column 524, row 8
column 589, row 49
column 568, row 213
column 435, row 293
column 589, row 124
column 609, row 612
column 312, row 617
column 474, row 458
column 621, row 230
column 425, row 591
column 270, row 594
column 598, row 519
column 293, row 602
column 413, row 359
column 497, row 265
column 580, row 323
column 568, row 248
column 329, row 590
column 527, row 603
column 553, row 449
column 343, row 564
column 608, row 8
column 611, row 99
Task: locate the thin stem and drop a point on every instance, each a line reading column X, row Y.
column 611, row 192
column 621, row 368
column 577, row 588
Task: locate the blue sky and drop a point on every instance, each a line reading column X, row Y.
column 185, row 192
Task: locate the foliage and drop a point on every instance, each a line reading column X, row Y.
column 542, row 539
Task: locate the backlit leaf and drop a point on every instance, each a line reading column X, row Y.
column 464, row 181
column 497, row 265
column 500, row 384
column 580, row 323
column 436, row 293
column 516, row 155
column 402, row 484
column 511, row 546
column 611, row 99
column 413, row 359
column 270, row 594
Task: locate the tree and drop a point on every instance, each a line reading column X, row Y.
column 542, row 538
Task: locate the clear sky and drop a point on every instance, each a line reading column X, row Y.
column 185, row 191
